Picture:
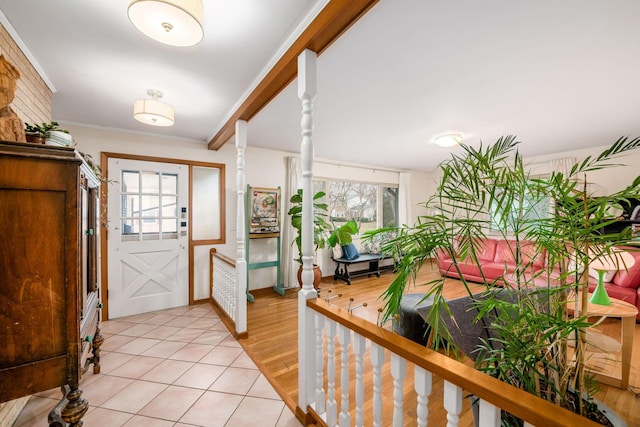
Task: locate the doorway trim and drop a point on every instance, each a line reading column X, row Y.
column 104, row 226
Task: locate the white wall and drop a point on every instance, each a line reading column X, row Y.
column 263, row 168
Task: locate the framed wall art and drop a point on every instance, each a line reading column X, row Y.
column 264, row 210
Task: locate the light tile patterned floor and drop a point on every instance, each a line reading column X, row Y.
column 176, row 367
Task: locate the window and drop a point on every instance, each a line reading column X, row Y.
column 206, row 209
column 390, row 206
column 149, row 210
column 507, row 213
column 372, row 205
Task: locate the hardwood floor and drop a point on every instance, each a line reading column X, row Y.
column 272, row 343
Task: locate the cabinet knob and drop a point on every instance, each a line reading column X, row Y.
column 88, row 338
column 90, row 232
column 99, row 305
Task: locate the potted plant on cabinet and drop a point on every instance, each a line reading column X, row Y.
column 525, row 316
column 320, row 227
column 48, row 133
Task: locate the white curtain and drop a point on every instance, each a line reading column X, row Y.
column 289, row 252
column 563, row 165
column 404, row 199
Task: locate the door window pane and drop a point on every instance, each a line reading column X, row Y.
column 150, row 206
column 130, row 182
column 130, row 226
column 169, row 184
column 169, row 207
column 169, row 225
column 130, row 205
column 150, row 182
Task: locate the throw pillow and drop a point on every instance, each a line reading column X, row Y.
column 337, row 251
column 350, row 251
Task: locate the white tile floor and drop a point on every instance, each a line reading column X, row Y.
column 176, row 367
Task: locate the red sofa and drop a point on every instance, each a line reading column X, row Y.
column 496, row 261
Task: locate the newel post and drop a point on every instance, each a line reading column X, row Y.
column 241, row 258
column 306, row 351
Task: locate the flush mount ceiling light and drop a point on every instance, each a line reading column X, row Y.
column 173, row 22
column 152, row 111
column 448, row 139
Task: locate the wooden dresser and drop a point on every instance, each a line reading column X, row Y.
column 49, row 281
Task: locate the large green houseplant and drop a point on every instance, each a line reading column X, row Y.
column 489, row 190
column 343, row 234
column 320, row 227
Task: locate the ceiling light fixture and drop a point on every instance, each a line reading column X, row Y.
column 448, row 139
column 173, row 22
column 152, row 111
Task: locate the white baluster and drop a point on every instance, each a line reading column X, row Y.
column 344, row 336
column 377, row 360
column 240, row 317
column 319, row 403
column 422, row 384
column 452, row 403
column 331, row 374
column 398, row 372
column 489, row 415
column 359, row 347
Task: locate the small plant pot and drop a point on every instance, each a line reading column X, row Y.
column 35, row 138
column 317, row 276
column 58, row 138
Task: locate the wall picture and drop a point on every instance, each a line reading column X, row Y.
column 264, row 210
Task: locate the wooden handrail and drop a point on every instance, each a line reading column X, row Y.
column 520, row 403
column 224, row 258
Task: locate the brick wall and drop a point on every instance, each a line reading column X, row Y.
column 33, row 97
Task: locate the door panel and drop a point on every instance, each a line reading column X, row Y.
column 148, row 256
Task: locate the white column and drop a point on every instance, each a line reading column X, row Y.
column 307, row 93
column 306, row 338
column 241, row 259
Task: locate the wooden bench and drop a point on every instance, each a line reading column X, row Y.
column 342, row 267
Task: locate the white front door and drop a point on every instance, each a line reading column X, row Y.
column 148, row 241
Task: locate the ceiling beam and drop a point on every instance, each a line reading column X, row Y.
column 336, row 17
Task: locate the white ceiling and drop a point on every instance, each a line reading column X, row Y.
column 561, row 75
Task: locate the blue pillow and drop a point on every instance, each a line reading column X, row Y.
column 350, row 251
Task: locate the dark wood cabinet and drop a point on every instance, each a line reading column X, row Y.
column 49, row 281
